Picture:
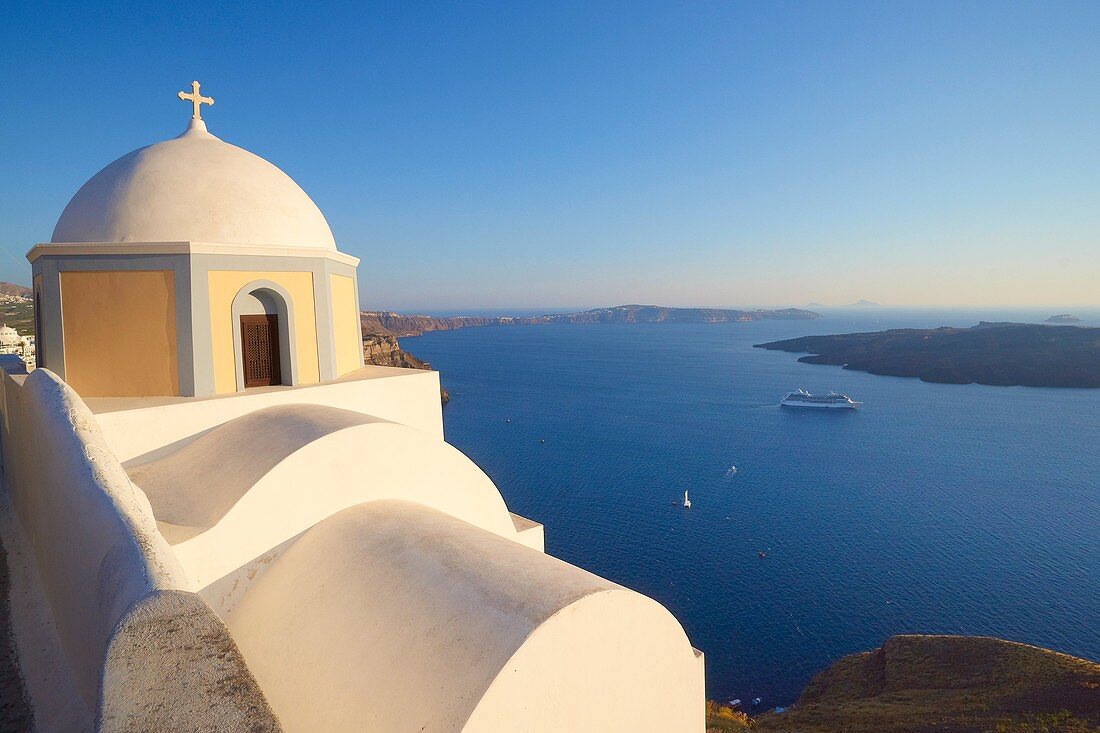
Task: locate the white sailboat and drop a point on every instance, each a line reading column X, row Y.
column 687, row 501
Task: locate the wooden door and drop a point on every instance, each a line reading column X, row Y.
column 260, row 350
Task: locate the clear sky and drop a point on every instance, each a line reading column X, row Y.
column 564, row 154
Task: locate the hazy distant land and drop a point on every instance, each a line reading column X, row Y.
column 381, row 329
column 383, row 322
column 999, row 354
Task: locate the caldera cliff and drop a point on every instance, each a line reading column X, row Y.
column 380, row 349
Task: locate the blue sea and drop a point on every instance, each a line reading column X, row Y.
column 931, row 509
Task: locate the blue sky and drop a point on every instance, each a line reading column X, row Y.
column 559, row 154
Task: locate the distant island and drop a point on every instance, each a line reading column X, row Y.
column 953, row 684
column 1063, row 318
column 999, row 354
column 865, row 303
column 383, row 322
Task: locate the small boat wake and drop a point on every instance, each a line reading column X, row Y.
column 732, row 471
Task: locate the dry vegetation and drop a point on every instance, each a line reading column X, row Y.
column 724, row 719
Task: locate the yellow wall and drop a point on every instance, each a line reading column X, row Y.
column 224, row 286
column 119, row 333
column 346, row 330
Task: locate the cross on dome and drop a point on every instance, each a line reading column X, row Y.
column 196, row 99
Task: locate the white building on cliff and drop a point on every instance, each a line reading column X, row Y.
column 220, row 520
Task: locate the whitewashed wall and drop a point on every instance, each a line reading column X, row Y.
column 94, row 538
column 102, row 566
column 421, row 622
column 143, row 429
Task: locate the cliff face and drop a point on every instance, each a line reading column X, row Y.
column 383, row 350
column 382, row 322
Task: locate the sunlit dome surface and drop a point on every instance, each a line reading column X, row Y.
column 193, row 188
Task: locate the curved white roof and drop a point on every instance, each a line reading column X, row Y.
column 395, row 616
column 193, row 188
column 205, row 496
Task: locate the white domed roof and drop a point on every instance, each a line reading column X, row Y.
column 194, row 188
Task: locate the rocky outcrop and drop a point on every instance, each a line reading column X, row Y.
column 947, row 684
column 383, row 350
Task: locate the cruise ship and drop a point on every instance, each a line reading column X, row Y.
column 833, row 400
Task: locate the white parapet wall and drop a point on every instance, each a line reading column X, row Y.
column 143, row 428
column 94, row 538
column 103, row 566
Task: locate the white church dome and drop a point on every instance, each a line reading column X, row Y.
column 194, row 188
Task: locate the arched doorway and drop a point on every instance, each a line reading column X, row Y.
column 260, row 356
column 262, row 317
